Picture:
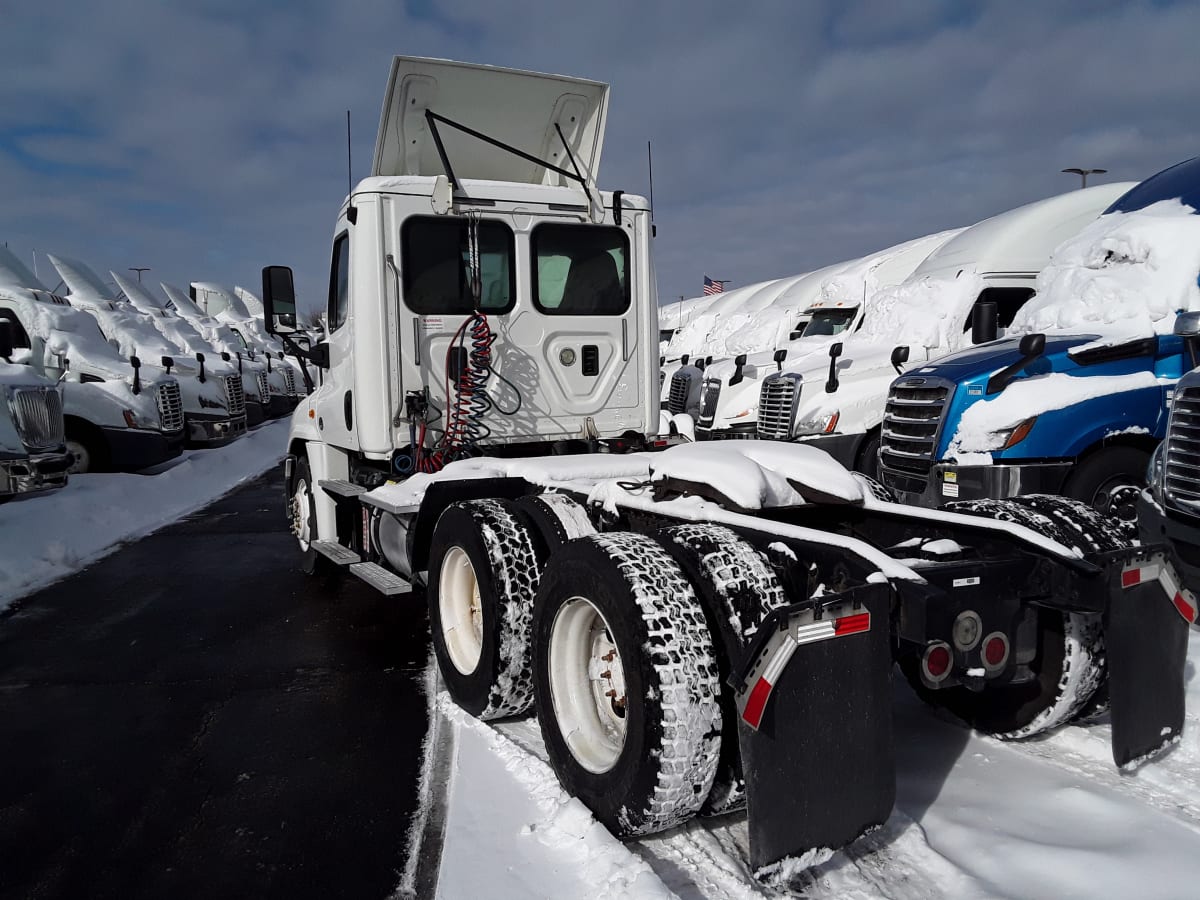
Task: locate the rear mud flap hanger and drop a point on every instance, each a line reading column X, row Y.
column 814, row 700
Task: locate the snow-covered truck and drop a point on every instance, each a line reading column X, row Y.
column 965, row 292
column 699, row 628
column 1078, row 402
column 33, row 453
column 115, row 417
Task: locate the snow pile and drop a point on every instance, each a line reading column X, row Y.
column 985, row 425
column 675, row 315
column 704, row 334
column 51, row 536
column 1125, row 275
column 930, row 311
column 758, row 474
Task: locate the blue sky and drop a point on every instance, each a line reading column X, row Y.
column 205, row 140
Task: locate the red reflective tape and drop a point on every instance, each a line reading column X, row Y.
column 1185, row 608
column 1131, row 577
column 852, row 624
column 757, row 703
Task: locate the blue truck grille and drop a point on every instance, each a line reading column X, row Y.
column 1182, row 454
column 911, row 421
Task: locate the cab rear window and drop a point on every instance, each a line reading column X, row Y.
column 436, row 266
column 580, row 270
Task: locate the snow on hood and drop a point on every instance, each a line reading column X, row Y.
column 1125, row 275
column 927, row 312
column 13, row 373
column 215, row 299
column 985, row 425
column 758, row 474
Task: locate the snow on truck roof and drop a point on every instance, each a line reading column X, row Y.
column 1022, row 239
column 15, row 274
column 526, row 110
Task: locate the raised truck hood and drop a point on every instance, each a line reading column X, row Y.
column 985, row 358
column 518, row 108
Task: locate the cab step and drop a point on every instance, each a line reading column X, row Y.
column 340, row 488
column 388, row 583
column 396, row 509
column 336, row 553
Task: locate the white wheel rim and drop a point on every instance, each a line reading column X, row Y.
column 81, row 461
column 461, row 610
column 587, row 685
column 300, row 510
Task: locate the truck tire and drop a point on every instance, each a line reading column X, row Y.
column 1069, row 666
column 878, row 490
column 736, row 588
column 87, row 446
column 483, row 575
column 553, row 519
column 627, row 684
column 868, row 456
column 1109, row 481
column 302, row 520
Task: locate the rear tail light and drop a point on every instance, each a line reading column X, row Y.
column 935, row 664
column 995, row 651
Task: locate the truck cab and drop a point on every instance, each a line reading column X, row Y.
column 113, row 417
column 1076, row 404
column 33, row 453
column 483, row 292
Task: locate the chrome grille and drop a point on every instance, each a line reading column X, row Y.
column 1181, row 482
column 911, row 420
column 709, row 394
column 170, row 405
column 290, row 377
column 234, row 397
column 681, row 386
column 264, row 387
column 776, row 402
column 37, row 412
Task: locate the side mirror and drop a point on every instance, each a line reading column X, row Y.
column 985, row 322
column 167, row 363
column 135, row 362
column 1187, row 324
column 1032, row 345
column 831, row 385
column 137, row 374
column 737, row 377
column 779, row 357
column 899, row 357
column 6, row 339
column 200, row 359
column 683, row 360
column 279, row 300
column 795, row 335
column 225, row 355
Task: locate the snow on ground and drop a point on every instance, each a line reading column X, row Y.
column 974, row 817
column 50, row 536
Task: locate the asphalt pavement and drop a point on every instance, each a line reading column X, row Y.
column 193, row 717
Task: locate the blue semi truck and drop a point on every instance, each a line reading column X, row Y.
column 1074, row 414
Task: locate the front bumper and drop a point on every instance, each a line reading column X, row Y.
column 213, row 431
column 842, row 447
column 1179, row 531
column 281, row 406
column 256, row 413
column 734, row 433
column 26, row 476
column 952, row 482
column 130, row 450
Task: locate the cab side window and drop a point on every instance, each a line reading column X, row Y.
column 339, row 282
column 20, row 339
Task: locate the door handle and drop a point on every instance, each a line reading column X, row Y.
column 417, row 341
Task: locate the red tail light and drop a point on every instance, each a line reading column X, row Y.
column 995, row 650
column 936, row 661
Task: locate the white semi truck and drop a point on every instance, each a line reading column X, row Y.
column 33, row 452
column 965, row 292
column 114, row 418
column 699, row 628
column 214, row 403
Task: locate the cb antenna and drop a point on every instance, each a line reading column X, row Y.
column 650, row 165
column 351, row 212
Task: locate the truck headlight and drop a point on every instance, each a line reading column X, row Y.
column 136, row 420
column 1017, row 434
column 1154, row 473
column 825, row 423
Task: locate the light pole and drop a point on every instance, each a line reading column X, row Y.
column 1084, row 173
column 139, row 270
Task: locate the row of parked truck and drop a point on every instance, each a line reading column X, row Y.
column 703, row 626
column 118, row 377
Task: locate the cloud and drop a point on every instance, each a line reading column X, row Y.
column 207, row 140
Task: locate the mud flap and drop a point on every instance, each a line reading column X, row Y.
column 1146, row 637
column 815, row 727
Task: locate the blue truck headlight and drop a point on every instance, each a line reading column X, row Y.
column 1019, row 433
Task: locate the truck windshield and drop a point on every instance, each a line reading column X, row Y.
column 580, row 270
column 829, row 321
column 437, row 266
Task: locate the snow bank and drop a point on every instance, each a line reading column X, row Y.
column 984, row 426
column 49, row 537
column 1126, row 274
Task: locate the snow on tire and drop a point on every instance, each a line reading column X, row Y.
column 737, row 589
column 627, row 682
column 1069, row 667
column 483, row 576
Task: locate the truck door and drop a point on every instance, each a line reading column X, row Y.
column 335, row 402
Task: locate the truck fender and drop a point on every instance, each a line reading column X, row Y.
column 441, row 494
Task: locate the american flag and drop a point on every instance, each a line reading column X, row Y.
column 712, row 287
